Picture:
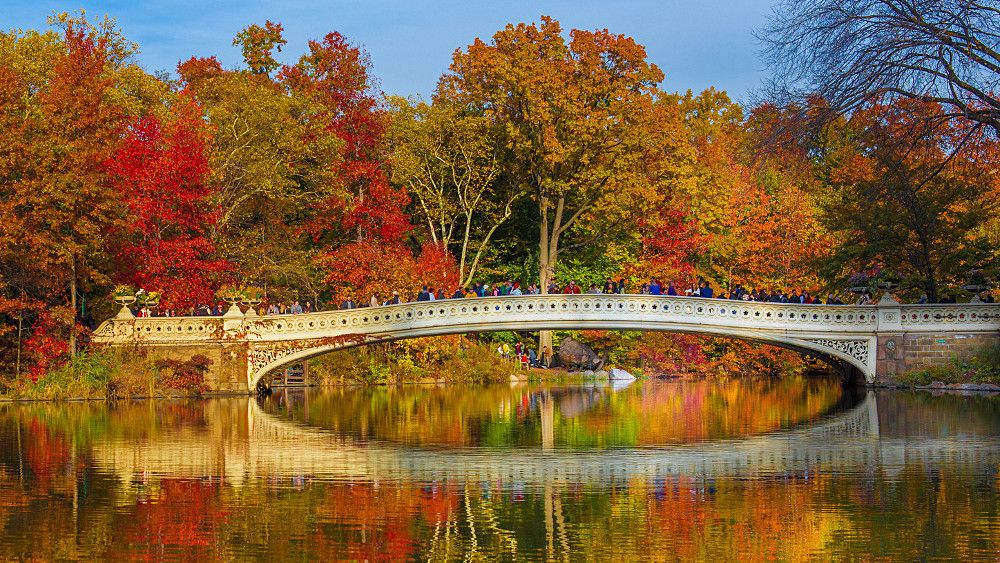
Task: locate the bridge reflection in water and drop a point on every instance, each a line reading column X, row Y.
column 785, row 469
column 277, row 447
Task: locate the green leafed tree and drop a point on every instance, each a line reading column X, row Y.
column 450, row 162
column 271, row 163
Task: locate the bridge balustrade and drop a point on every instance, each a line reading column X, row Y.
column 840, row 333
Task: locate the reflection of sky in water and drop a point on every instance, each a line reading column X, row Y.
column 881, row 475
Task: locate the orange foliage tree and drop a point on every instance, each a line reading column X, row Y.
column 361, row 270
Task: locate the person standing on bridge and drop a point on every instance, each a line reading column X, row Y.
column 424, row 295
column 348, row 303
column 296, row 308
column 654, row 287
column 394, row 300
column 572, row 289
column 376, row 300
column 705, row 290
column 671, row 289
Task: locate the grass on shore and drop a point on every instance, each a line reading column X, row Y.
column 112, row 373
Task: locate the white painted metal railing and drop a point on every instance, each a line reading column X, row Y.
column 844, row 332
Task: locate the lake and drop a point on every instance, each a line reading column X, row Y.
column 785, row 469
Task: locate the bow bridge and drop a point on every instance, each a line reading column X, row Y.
column 865, row 342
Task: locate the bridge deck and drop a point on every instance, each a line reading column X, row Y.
column 839, row 333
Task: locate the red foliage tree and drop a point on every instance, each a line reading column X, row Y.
column 197, row 69
column 44, row 349
column 336, row 74
column 160, row 170
column 670, row 244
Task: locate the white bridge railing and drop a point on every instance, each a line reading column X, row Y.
column 845, row 332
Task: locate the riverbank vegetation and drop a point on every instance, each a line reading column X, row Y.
column 113, row 373
column 453, row 359
column 304, row 180
column 981, row 367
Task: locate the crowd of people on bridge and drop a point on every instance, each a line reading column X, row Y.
column 654, row 286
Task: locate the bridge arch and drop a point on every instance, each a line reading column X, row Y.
column 849, row 365
column 757, row 322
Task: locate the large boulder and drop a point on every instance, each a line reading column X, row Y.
column 577, row 355
column 621, row 375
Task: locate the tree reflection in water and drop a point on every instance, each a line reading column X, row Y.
column 80, row 481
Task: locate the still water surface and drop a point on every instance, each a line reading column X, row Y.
column 793, row 469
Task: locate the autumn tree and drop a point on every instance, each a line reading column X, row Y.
column 363, row 269
column 336, row 76
column 367, row 218
column 753, row 210
column 258, row 43
column 913, row 191
column 270, row 161
column 569, row 112
column 65, row 95
column 450, row 162
column 161, row 170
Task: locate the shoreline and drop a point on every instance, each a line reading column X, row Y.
column 936, row 388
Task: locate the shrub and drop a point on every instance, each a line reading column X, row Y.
column 184, row 375
column 981, row 367
column 96, row 373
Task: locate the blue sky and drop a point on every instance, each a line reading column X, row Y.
column 697, row 43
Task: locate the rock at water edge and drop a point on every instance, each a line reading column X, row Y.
column 621, row 375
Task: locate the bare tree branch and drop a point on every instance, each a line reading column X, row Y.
column 851, row 52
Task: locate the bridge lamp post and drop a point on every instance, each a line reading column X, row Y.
column 125, row 296
column 251, row 302
column 977, row 283
column 887, row 298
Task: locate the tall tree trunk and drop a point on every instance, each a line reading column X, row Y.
column 72, row 301
column 930, row 283
column 20, row 333
column 545, row 271
column 465, row 249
